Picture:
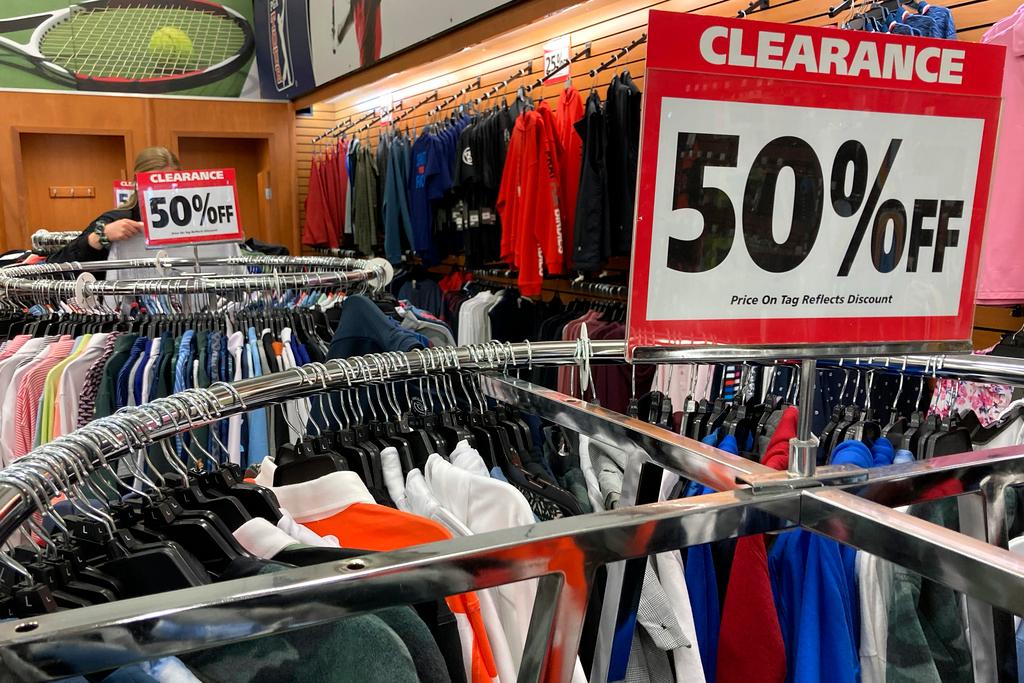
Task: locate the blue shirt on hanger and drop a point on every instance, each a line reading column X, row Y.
column 183, row 378
column 702, row 579
column 259, row 446
column 122, row 389
column 815, row 587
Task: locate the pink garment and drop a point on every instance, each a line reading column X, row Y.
column 1003, row 24
column 679, row 382
column 1001, row 279
column 955, row 397
column 30, row 390
column 12, row 346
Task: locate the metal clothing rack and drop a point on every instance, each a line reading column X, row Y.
column 601, row 289
column 340, row 128
column 845, row 503
column 610, row 62
column 48, row 242
column 34, row 281
column 426, row 100
column 335, row 252
column 475, row 83
column 507, row 278
column 755, row 6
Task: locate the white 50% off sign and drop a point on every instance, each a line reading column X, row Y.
column 802, row 185
column 189, row 207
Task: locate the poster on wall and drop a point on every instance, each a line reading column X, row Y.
column 302, row 45
column 145, row 47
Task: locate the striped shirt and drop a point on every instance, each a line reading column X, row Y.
column 91, row 384
column 30, row 389
column 12, row 346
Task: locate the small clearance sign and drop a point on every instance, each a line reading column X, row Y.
column 189, row 207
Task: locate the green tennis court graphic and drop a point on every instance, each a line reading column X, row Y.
column 180, row 47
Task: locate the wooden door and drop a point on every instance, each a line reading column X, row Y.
column 53, row 163
column 249, row 157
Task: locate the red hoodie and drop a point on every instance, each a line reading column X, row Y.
column 316, row 232
column 570, row 111
column 750, row 645
column 531, row 235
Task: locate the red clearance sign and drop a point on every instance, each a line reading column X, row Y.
column 189, row 207
column 123, row 191
column 804, row 185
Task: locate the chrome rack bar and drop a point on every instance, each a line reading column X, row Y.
column 27, row 280
column 49, row 242
column 175, row 417
column 685, row 352
column 974, row 367
column 985, row 474
column 690, row 459
column 569, row 549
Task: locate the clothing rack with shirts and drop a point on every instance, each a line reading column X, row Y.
column 439, row 191
column 847, row 503
column 284, row 272
column 338, row 253
column 77, row 349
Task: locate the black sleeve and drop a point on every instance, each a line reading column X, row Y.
column 79, row 250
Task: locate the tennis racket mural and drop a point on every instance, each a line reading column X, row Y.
column 130, row 46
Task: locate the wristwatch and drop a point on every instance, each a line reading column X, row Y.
column 99, row 228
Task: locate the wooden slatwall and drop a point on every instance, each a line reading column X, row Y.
column 972, row 17
column 308, row 127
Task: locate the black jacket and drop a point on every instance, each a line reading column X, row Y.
column 592, row 233
column 622, row 117
column 80, row 249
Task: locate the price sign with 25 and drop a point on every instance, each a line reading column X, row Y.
column 792, row 190
column 189, row 207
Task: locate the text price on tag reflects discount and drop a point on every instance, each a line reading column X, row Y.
column 189, row 207
column 799, row 187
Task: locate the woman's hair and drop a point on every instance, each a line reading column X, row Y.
column 151, row 159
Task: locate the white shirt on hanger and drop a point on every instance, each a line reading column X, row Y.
column 296, row 410
column 874, row 583
column 483, row 504
column 669, row 567
column 69, row 389
column 235, row 343
column 415, row 497
column 474, row 324
column 11, row 370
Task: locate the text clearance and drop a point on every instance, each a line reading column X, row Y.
column 721, row 45
column 186, row 176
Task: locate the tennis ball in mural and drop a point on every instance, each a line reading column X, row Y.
column 170, row 43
